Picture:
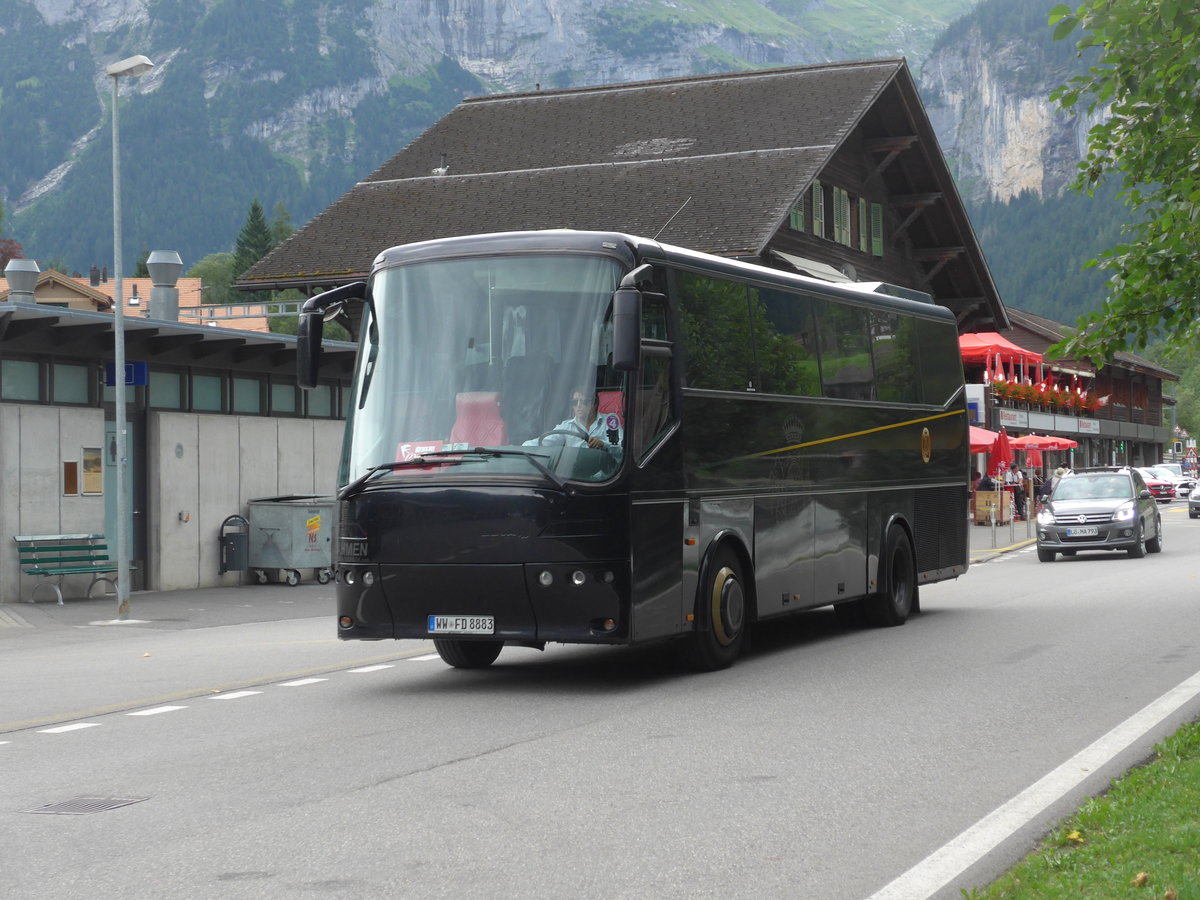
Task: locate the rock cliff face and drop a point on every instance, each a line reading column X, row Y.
column 995, row 122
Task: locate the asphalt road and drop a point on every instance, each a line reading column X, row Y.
column 268, row 760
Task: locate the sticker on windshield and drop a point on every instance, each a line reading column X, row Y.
column 612, row 423
column 407, row 452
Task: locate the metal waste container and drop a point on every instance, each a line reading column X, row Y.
column 289, row 535
column 234, row 540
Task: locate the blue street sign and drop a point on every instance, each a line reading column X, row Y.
column 136, row 374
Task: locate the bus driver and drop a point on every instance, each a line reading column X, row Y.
column 585, row 426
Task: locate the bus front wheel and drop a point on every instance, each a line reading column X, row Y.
column 898, row 598
column 721, row 616
column 468, row 654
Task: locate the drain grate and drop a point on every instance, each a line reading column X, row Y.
column 81, row 806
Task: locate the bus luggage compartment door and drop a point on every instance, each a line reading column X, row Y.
column 416, row 592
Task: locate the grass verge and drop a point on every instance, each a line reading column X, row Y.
column 1139, row 840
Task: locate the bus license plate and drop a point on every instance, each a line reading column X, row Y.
column 1085, row 531
column 462, row 625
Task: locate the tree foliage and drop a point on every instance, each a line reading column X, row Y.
column 9, row 249
column 1143, row 83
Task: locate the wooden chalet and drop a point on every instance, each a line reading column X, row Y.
column 831, row 169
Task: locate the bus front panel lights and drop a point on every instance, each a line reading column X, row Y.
column 603, row 624
column 345, row 622
column 545, row 579
column 578, row 578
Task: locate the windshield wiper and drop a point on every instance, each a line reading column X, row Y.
column 449, row 457
column 357, row 485
column 558, row 482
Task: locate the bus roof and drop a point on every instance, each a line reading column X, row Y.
column 631, row 247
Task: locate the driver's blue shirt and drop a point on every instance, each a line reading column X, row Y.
column 578, row 434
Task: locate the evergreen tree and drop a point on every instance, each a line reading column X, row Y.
column 253, row 241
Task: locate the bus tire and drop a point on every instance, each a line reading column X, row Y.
column 722, row 615
column 895, row 603
column 467, row 654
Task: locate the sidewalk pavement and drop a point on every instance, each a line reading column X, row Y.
column 173, row 610
column 988, row 542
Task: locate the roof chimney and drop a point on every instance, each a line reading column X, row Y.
column 104, row 275
column 94, row 276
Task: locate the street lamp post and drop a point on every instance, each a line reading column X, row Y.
column 131, row 67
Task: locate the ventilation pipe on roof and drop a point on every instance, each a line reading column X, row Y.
column 165, row 268
column 443, row 168
column 22, row 275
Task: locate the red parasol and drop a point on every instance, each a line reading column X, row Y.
column 981, row 439
column 1042, row 442
column 1001, row 456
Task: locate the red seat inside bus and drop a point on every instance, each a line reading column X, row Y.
column 610, row 402
column 477, row 420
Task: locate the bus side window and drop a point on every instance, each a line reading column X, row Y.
column 714, row 318
column 846, row 371
column 896, row 357
column 940, row 363
column 656, row 413
column 786, row 343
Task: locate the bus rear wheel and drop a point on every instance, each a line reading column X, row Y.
column 468, row 654
column 721, row 616
column 898, row 599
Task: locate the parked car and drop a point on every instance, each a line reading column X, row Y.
column 1194, row 505
column 1099, row 509
column 1161, row 487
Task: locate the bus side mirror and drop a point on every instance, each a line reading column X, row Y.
column 308, row 348
column 627, row 329
column 313, row 315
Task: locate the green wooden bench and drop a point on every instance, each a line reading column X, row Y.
column 51, row 557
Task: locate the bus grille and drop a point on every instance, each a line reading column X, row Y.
column 940, row 520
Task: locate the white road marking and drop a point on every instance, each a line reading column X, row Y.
column 235, row 695
column 301, row 682
column 427, row 656
column 370, row 668
column 64, row 728
column 952, row 859
column 155, row 711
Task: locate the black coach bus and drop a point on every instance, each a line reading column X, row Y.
column 591, row 437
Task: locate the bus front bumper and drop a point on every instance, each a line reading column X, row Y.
column 526, row 602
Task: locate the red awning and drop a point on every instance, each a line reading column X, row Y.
column 988, row 345
column 982, row 439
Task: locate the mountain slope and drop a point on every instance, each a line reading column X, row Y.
column 292, row 101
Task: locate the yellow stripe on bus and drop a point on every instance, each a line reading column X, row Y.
column 854, row 434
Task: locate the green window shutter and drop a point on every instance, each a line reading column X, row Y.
column 876, row 229
column 864, row 228
column 841, row 216
column 818, row 205
column 796, row 217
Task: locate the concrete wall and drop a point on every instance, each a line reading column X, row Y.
column 199, row 470
column 204, row 468
column 34, row 442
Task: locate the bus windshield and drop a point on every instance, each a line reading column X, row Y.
column 507, row 354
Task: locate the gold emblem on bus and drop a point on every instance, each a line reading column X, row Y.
column 926, row 444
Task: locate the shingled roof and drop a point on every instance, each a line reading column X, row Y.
column 738, row 149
